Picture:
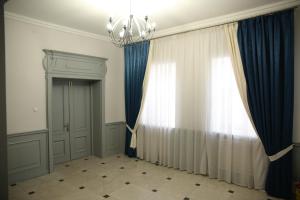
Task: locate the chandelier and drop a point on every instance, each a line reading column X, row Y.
column 131, row 29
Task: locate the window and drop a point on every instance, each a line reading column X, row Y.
column 226, row 112
column 160, row 97
column 228, row 115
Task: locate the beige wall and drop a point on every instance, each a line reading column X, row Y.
column 296, row 138
column 26, row 85
column 26, row 76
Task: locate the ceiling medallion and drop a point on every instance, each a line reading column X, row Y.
column 131, row 29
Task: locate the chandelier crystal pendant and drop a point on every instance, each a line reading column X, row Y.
column 127, row 30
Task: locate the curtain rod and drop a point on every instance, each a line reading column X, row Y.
column 221, row 24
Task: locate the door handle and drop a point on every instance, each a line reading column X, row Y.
column 67, row 127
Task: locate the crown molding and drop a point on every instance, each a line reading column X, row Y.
column 233, row 17
column 29, row 20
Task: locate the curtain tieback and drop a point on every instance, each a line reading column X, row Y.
column 281, row 153
column 133, row 137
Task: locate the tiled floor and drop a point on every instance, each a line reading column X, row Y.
column 122, row 178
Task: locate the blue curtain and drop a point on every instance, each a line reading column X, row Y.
column 267, row 50
column 136, row 56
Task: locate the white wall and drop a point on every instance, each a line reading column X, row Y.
column 26, row 84
column 296, row 138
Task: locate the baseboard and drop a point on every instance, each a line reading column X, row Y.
column 114, row 138
column 27, row 155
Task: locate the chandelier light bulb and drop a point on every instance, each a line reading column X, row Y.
column 109, row 27
column 153, row 25
column 121, row 34
column 143, row 34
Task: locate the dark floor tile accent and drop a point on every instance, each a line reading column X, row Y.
column 231, row 191
column 197, row 184
column 13, row 185
column 144, row 173
column 186, row 198
column 127, row 183
column 104, row 176
column 106, row 196
column 122, row 167
column 31, row 192
column 169, row 178
column 86, row 159
column 84, row 170
column 67, row 165
column 81, row 187
column 61, row 180
column 154, row 190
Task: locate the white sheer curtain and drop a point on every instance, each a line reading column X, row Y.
column 193, row 118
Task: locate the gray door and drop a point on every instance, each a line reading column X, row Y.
column 71, row 120
column 80, row 125
column 60, row 123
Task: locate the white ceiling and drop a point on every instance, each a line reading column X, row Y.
column 92, row 15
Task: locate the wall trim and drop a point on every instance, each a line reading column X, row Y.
column 297, row 145
column 114, row 138
column 262, row 10
column 27, row 155
column 114, row 123
column 45, row 24
column 11, row 135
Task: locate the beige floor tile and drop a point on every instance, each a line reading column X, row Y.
column 124, row 178
column 131, row 192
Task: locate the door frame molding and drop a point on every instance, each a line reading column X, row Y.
column 58, row 64
column 3, row 126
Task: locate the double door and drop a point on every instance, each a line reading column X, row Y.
column 71, row 124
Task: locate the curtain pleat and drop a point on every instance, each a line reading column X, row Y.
column 136, row 56
column 267, row 50
column 192, row 118
column 237, row 65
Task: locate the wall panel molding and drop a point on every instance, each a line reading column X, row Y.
column 114, row 138
column 296, row 161
column 27, row 155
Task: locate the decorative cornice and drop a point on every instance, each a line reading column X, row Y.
column 29, row 20
column 262, row 10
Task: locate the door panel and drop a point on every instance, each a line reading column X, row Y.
column 60, row 113
column 80, row 125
